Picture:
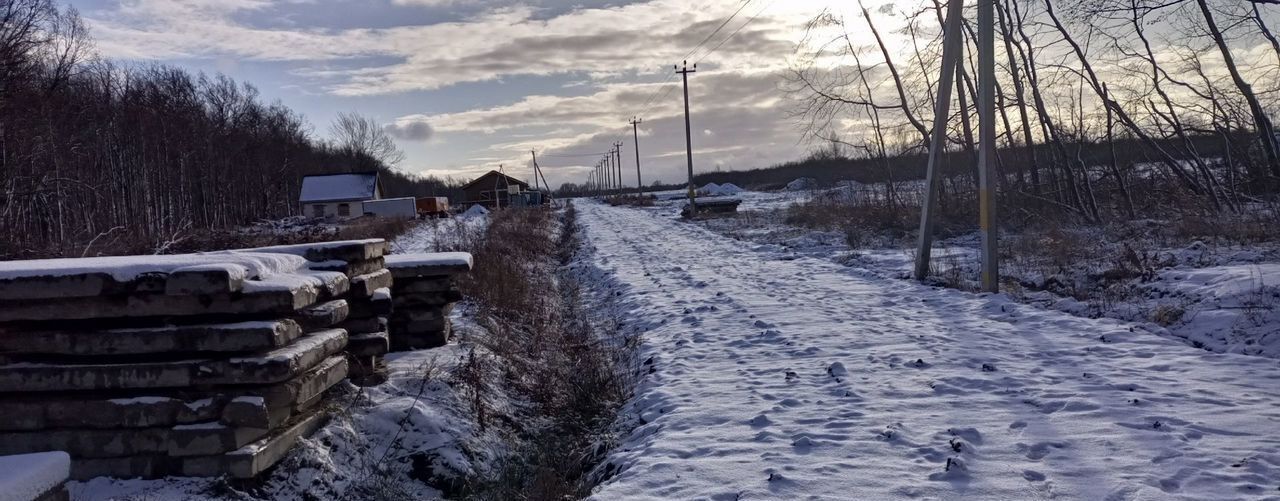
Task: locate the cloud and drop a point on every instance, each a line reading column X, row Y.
column 635, row 38
column 412, row 130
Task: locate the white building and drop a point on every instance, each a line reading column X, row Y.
column 338, row 195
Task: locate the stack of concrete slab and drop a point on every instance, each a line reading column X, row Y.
column 363, row 310
column 423, row 293
column 197, row 365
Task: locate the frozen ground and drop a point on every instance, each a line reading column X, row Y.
column 776, row 375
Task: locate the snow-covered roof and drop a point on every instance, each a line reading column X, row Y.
column 338, row 187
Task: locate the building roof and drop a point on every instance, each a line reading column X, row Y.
column 488, row 176
column 339, row 187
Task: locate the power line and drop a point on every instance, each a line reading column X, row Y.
column 573, row 155
column 718, row 28
column 735, row 32
column 663, row 89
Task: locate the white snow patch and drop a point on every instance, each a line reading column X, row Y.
column 24, row 477
column 395, row 261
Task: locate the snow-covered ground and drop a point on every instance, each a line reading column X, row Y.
column 780, row 375
column 1219, row 297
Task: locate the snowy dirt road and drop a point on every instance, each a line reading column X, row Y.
column 797, row 379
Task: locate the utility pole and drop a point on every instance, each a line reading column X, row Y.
column 635, row 134
column 537, row 172
column 987, row 146
column 617, row 153
column 608, row 172
column 952, row 47
column 942, row 108
column 535, row 169
column 688, row 137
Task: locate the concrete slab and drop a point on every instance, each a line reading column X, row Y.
column 439, row 264
column 368, row 345
column 233, row 406
column 369, row 307
column 405, row 341
column 364, row 325
column 233, row 337
column 423, row 313
column 260, row 302
column 44, row 287
column 420, row 285
column 277, row 365
column 147, row 466
column 36, row 413
column 182, row 440
column 323, row 315
column 364, row 285
column 206, row 439
column 203, row 280
column 266, row 368
column 325, row 252
column 351, row 268
column 254, row 458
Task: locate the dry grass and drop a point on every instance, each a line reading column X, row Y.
column 574, row 373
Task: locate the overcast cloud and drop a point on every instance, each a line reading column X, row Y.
column 467, row 86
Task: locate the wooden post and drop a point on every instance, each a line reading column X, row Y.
column 951, row 47
column 688, row 138
column 635, row 134
column 987, row 175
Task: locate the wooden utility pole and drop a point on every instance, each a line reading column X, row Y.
column 608, row 167
column 635, row 134
column 952, row 46
column 688, row 137
column 617, row 153
column 987, row 175
column 537, row 173
column 941, row 110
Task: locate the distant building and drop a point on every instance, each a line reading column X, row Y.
column 494, row 189
column 338, row 195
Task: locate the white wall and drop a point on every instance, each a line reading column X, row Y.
column 330, row 209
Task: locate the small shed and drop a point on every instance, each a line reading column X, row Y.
column 405, row 207
column 338, row 195
column 493, row 189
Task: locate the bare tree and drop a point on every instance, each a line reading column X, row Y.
column 363, row 135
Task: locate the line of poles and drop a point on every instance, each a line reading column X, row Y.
column 607, row 178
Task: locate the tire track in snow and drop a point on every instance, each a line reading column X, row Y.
column 796, row 378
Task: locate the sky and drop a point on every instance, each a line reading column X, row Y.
column 466, row 86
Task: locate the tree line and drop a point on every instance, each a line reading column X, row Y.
column 98, row 157
column 1104, row 108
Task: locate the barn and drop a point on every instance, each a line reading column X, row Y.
column 338, row 195
column 493, row 189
